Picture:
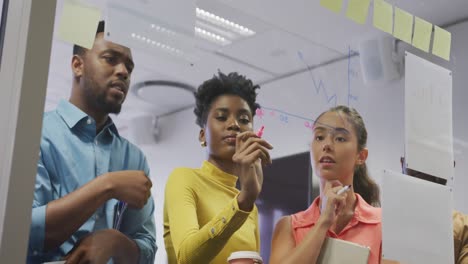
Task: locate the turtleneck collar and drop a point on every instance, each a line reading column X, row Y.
column 214, row 173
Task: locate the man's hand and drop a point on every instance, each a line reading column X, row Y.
column 130, row 186
column 99, row 247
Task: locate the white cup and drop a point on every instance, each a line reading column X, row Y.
column 245, row 257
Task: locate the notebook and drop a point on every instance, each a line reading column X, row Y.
column 337, row 251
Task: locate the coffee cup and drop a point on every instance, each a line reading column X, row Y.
column 245, row 257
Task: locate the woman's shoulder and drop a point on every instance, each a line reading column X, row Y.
column 306, row 217
column 366, row 212
column 284, row 223
column 183, row 175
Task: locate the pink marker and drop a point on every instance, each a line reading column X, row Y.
column 260, row 131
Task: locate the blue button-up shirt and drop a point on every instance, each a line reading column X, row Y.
column 71, row 155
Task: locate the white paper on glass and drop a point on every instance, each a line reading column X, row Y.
column 417, row 220
column 428, row 118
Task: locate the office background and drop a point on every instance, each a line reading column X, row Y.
column 306, row 58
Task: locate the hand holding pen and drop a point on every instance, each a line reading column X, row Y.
column 344, row 189
column 251, row 152
column 333, row 201
column 250, row 147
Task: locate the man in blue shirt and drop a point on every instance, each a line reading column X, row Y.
column 85, row 168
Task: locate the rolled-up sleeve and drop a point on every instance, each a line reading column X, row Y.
column 42, row 193
column 139, row 225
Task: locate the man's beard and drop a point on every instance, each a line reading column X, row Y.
column 108, row 107
column 98, row 100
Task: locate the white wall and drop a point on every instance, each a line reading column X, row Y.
column 460, row 109
column 178, row 146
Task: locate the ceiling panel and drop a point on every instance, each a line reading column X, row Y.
column 319, row 25
column 284, row 31
column 277, row 51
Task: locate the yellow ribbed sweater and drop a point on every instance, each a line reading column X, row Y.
column 202, row 221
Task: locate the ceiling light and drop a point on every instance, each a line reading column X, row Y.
column 162, row 46
column 200, row 32
column 173, row 95
column 163, row 29
column 222, row 32
column 207, row 16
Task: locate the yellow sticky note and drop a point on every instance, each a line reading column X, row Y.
column 357, row 10
column 403, row 28
column 79, row 23
column 383, row 16
column 422, row 34
column 333, row 5
column 442, row 43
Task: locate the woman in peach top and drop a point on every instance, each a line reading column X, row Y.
column 338, row 156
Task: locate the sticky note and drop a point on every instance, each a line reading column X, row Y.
column 357, row 10
column 383, row 16
column 422, row 34
column 403, row 28
column 333, row 5
column 442, row 42
column 79, row 23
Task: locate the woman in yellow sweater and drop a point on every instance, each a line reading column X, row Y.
column 206, row 217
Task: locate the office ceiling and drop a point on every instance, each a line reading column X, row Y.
column 282, row 30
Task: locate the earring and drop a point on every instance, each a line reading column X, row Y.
column 203, row 143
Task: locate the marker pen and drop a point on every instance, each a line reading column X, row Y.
column 119, row 209
column 344, row 189
column 260, row 131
